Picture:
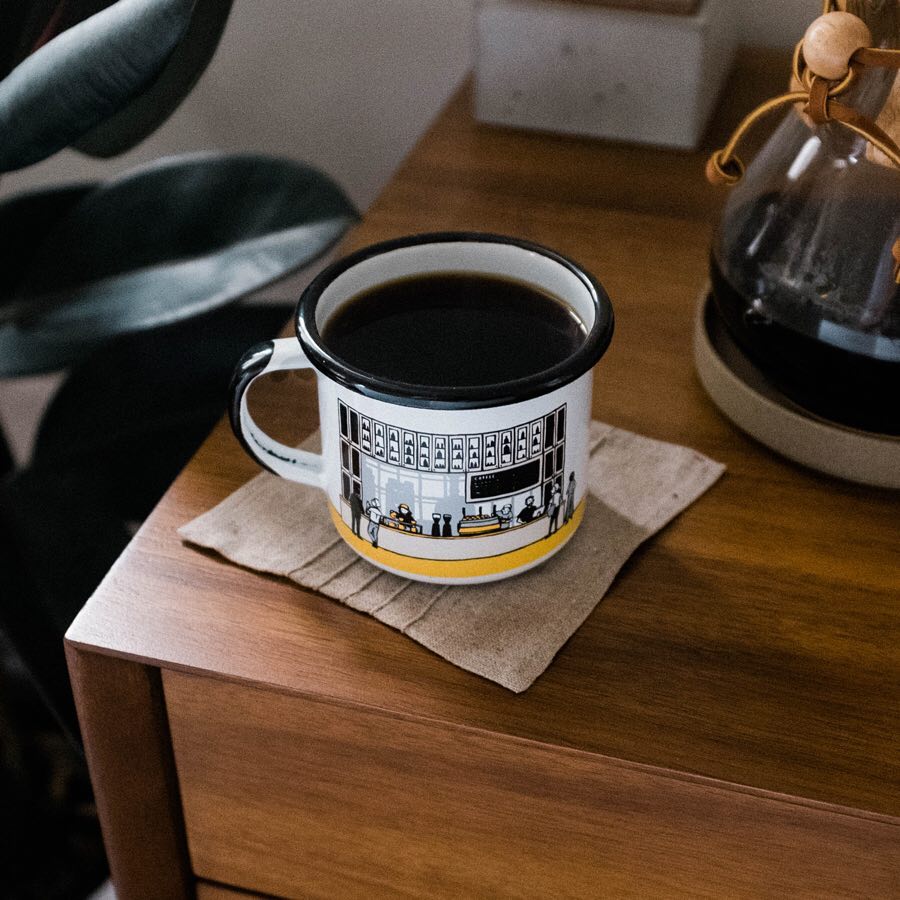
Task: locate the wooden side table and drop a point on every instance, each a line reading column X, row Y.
column 723, row 724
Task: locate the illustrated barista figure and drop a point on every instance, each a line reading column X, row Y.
column 404, row 515
column 505, row 515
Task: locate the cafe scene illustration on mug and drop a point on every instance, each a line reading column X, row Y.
column 402, row 489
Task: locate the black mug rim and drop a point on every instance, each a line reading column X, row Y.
column 443, row 396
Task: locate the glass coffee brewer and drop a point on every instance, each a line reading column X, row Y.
column 806, row 259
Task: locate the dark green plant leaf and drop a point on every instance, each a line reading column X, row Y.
column 143, row 115
column 85, row 75
column 26, row 25
column 144, row 402
column 24, row 220
column 163, row 243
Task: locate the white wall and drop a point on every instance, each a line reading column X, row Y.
column 346, row 85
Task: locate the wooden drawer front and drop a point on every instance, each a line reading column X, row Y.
column 302, row 798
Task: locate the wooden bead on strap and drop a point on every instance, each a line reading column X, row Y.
column 831, row 40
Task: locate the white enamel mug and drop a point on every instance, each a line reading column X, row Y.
column 455, row 485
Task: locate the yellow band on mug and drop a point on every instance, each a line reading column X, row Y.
column 481, row 567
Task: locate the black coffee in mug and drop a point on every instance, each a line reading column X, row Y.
column 454, row 328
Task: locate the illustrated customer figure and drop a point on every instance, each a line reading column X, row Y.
column 373, row 511
column 553, row 508
column 356, row 510
column 528, row 511
column 570, row 498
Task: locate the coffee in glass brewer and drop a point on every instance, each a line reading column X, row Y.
column 806, row 258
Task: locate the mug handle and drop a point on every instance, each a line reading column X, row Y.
column 288, row 462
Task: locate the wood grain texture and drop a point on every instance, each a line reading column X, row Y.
column 754, row 640
column 355, row 802
column 126, row 738
column 208, row 890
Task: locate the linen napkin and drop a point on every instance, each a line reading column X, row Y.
column 507, row 631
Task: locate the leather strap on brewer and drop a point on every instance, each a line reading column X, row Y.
column 818, row 96
column 822, row 108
